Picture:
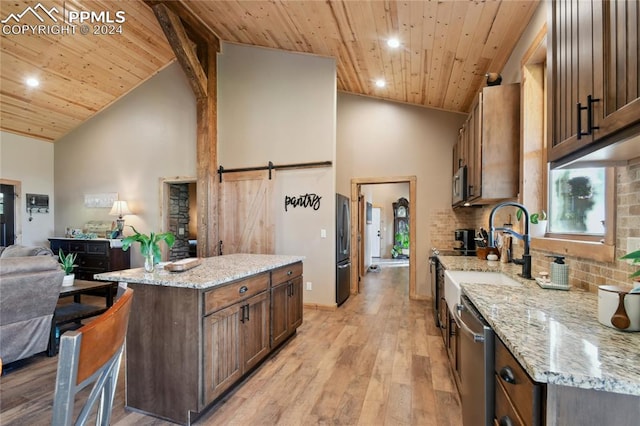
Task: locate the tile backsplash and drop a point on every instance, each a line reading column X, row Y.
column 584, row 273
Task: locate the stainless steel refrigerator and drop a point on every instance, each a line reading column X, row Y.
column 343, row 246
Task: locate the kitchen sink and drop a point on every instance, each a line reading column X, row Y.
column 453, row 279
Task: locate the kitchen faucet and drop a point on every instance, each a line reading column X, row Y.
column 526, row 257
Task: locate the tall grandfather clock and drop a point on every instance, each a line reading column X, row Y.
column 401, row 227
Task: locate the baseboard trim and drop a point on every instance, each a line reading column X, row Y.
column 319, row 307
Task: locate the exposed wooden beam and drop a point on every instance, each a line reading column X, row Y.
column 182, row 47
column 196, row 48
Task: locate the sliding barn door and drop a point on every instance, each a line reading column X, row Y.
column 246, row 212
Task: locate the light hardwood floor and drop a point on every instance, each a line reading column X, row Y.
column 377, row 360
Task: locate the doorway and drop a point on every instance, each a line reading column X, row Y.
column 358, row 219
column 9, row 213
column 178, row 215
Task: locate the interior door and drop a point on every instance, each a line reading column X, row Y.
column 361, row 222
column 376, row 232
column 246, row 212
column 7, row 215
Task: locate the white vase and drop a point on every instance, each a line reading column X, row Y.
column 537, row 230
column 67, row 281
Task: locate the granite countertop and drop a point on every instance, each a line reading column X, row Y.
column 554, row 334
column 211, row 272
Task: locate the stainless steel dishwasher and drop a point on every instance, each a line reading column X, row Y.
column 477, row 353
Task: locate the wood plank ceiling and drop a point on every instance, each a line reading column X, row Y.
column 446, row 47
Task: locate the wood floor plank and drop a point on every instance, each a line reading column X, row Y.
column 376, row 360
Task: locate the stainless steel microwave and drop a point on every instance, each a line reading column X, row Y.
column 459, row 186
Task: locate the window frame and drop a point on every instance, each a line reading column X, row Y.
column 586, row 245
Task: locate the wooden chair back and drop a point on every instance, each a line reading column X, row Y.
column 91, row 354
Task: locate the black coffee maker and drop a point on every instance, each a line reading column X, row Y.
column 466, row 240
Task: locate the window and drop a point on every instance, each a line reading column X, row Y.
column 577, row 201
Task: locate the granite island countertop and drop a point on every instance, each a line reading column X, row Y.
column 555, row 335
column 213, row 271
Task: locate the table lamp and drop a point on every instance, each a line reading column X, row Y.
column 120, row 208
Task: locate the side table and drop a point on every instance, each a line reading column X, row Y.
column 77, row 311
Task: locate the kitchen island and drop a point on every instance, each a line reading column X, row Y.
column 193, row 335
column 591, row 372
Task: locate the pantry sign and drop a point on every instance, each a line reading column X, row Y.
column 41, row 19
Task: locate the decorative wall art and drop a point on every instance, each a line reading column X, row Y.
column 103, row 200
column 305, row 201
column 37, row 203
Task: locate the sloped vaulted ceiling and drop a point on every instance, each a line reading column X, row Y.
column 446, row 47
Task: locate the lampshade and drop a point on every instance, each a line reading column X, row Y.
column 120, row 208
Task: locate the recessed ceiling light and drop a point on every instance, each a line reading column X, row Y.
column 380, row 83
column 32, row 82
column 393, row 43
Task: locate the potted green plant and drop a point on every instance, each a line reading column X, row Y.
column 634, row 256
column 149, row 245
column 67, row 263
column 538, row 225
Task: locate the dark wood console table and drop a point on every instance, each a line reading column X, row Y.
column 76, row 311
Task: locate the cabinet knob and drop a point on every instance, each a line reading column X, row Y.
column 243, row 289
column 289, row 272
column 507, row 375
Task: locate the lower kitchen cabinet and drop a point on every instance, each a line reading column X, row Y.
column 235, row 340
column 519, row 399
column 186, row 347
column 451, row 338
column 286, row 302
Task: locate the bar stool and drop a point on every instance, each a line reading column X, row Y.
column 91, row 354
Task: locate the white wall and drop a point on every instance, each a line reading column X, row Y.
column 128, row 148
column 377, row 138
column 30, row 161
column 281, row 107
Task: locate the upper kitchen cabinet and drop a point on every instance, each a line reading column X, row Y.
column 489, row 145
column 594, row 94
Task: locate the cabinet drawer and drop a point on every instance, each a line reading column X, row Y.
column 525, row 394
column 97, row 248
column 286, row 273
column 505, row 413
column 77, row 246
column 229, row 294
column 97, row 262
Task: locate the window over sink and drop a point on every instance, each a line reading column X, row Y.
column 577, row 201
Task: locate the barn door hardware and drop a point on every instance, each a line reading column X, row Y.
column 270, row 166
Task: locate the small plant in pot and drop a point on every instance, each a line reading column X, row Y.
column 67, row 263
column 538, row 225
column 149, row 246
column 635, row 257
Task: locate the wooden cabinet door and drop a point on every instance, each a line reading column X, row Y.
column 571, row 73
column 593, row 65
column 279, row 313
column 616, row 67
column 294, row 306
column 474, row 150
column 255, row 329
column 222, row 351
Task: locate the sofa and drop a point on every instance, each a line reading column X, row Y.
column 30, row 284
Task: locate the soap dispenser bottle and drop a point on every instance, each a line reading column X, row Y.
column 559, row 271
